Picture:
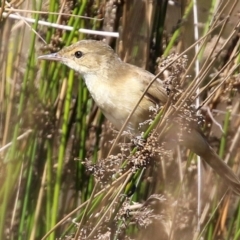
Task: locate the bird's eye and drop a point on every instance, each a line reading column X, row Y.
column 78, row 54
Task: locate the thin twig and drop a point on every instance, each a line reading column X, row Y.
column 59, row 26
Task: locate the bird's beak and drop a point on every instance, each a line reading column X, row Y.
column 52, row 56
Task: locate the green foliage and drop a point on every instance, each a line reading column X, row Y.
column 59, row 177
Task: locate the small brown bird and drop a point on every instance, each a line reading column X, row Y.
column 117, row 86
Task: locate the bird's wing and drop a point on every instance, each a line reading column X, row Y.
column 157, row 92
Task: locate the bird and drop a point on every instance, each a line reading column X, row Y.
column 117, row 86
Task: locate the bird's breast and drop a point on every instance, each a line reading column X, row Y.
column 117, row 102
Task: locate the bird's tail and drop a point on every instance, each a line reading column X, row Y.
column 223, row 170
column 196, row 142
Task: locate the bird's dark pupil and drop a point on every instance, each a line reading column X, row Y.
column 78, row 54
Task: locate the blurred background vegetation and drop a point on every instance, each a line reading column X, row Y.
column 57, row 179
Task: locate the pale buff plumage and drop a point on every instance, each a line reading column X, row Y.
column 116, row 87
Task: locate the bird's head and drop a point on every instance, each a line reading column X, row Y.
column 85, row 57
